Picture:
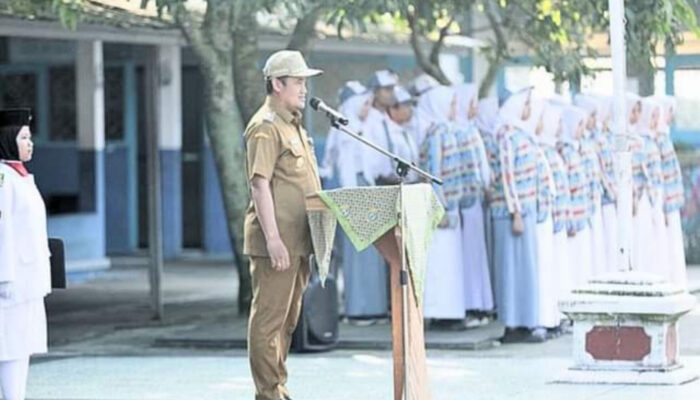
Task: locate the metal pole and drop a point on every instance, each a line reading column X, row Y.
column 623, row 157
column 155, row 220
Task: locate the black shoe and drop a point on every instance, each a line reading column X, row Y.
column 452, row 325
column 514, row 335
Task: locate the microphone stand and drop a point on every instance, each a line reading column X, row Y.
column 403, row 167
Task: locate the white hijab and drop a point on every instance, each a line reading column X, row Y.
column 466, row 96
column 512, row 109
column 536, row 109
column 434, row 107
column 632, row 100
column 352, row 107
column 571, row 119
column 589, row 104
column 551, row 124
column 668, row 104
column 649, row 107
column 604, row 106
column 487, row 116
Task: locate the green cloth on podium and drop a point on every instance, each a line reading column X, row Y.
column 367, row 213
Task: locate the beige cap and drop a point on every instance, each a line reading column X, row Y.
column 288, row 63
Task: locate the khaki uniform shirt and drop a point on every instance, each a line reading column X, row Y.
column 279, row 150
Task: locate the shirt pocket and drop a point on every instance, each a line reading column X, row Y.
column 293, row 159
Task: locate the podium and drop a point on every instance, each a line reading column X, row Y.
column 389, row 231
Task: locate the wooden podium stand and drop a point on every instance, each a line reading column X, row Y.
column 410, row 371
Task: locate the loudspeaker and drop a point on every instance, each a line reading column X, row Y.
column 58, row 263
column 317, row 329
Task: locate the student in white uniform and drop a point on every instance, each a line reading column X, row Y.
column 381, row 86
column 444, row 281
column 654, row 186
column 673, row 195
column 394, row 137
column 476, row 178
column 365, row 291
column 342, row 159
column 594, row 173
column 24, row 257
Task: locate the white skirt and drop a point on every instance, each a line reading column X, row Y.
column 562, row 265
column 444, row 278
column 642, row 257
column 23, row 330
column 478, row 294
column 599, row 263
column 548, row 311
column 580, row 259
column 676, row 250
column 658, row 238
column 610, row 236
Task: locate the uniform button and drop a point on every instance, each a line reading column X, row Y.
column 300, row 162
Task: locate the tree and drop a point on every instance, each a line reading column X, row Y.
column 224, row 40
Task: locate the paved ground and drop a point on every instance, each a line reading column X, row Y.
column 104, row 346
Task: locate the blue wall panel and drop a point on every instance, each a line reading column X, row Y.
column 171, row 185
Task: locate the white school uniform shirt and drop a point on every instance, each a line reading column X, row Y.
column 395, row 139
column 24, row 249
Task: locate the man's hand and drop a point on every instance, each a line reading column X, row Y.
column 518, row 224
column 6, row 291
column 279, row 256
column 444, row 222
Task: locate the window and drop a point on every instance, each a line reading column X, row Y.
column 114, row 103
column 62, row 109
column 19, row 90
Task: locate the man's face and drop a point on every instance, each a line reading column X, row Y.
column 291, row 92
column 401, row 113
column 383, row 96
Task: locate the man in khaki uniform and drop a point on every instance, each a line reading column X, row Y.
column 281, row 168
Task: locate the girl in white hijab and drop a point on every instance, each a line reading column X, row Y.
column 365, row 292
column 514, row 213
column 561, row 273
column 344, row 155
column 652, row 192
column 445, row 276
column 673, row 194
column 578, row 228
column 604, row 144
column 591, row 162
column 641, row 186
column 549, row 268
column 475, row 180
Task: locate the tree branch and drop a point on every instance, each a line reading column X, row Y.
column 305, row 30
column 437, row 46
column 424, row 62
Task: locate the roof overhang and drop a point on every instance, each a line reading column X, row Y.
column 10, row 26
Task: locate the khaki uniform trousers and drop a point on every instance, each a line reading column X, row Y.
column 277, row 297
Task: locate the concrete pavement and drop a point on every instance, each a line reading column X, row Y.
column 105, row 346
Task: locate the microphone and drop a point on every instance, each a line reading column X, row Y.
column 336, row 117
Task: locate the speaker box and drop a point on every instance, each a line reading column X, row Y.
column 317, row 329
column 58, row 263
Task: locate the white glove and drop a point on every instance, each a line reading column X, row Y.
column 6, row 290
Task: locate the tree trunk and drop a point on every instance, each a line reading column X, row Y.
column 641, row 68
column 305, row 31
column 213, row 45
column 250, row 86
column 225, row 133
column 489, row 78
